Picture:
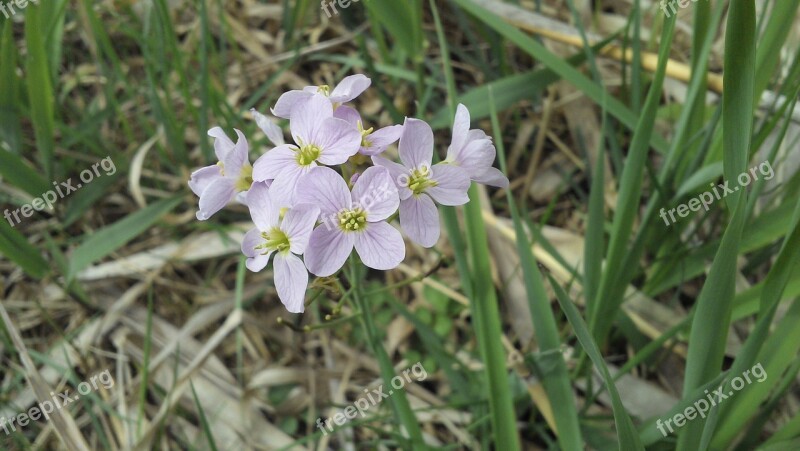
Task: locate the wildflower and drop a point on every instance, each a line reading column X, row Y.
column 372, row 142
column 218, row 184
column 420, row 183
column 348, row 89
column 286, row 236
column 320, row 138
column 358, row 220
column 473, row 151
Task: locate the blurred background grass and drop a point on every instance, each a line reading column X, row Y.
column 533, row 303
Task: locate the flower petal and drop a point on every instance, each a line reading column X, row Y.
column 338, row 141
column 399, row 174
column 237, row 157
column 478, row 153
column 327, row 250
column 287, row 102
column 419, row 219
column 214, row 198
column 201, row 178
column 380, row 246
column 298, row 224
column 291, row 281
column 375, row 192
column 460, row 130
column 259, row 262
column 416, row 144
column 251, row 239
column 269, row 127
column 256, row 259
column 350, row 88
column 263, row 209
column 347, row 114
column 284, row 188
column 274, row 162
column 452, row 185
column 382, row 139
column 324, row 188
column 306, row 121
column 222, row 144
column 492, row 177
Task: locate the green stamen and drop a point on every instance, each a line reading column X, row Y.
column 353, row 220
column 419, row 181
column 308, row 154
column 245, row 180
column 364, row 133
column 274, row 240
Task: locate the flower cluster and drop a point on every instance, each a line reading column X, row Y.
column 303, row 207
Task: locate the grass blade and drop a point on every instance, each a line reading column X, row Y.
column 40, row 90
column 715, row 302
column 483, row 299
column 556, row 380
column 109, row 239
column 626, row 433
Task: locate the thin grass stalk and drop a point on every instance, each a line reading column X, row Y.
column 483, row 299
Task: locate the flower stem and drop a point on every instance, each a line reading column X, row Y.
column 400, row 404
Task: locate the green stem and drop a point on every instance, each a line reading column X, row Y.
column 400, row 404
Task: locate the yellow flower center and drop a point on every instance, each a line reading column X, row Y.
column 274, row 240
column 308, row 154
column 245, row 180
column 420, row 180
column 325, row 89
column 353, row 220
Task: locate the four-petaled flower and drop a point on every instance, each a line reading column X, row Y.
column 348, row 89
column 218, row 184
column 358, row 220
column 420, row 183
column 372, row 142
column 285, row 236
column 320, row 137
column 473, row 151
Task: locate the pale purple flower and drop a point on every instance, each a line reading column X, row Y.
column 285, row 236
column 350, row 220
column 320, row 138
column 218, row 184
column 372, row 142
column 420, row 183
column 473, row 151
column 348, row 89
column 269, row 127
